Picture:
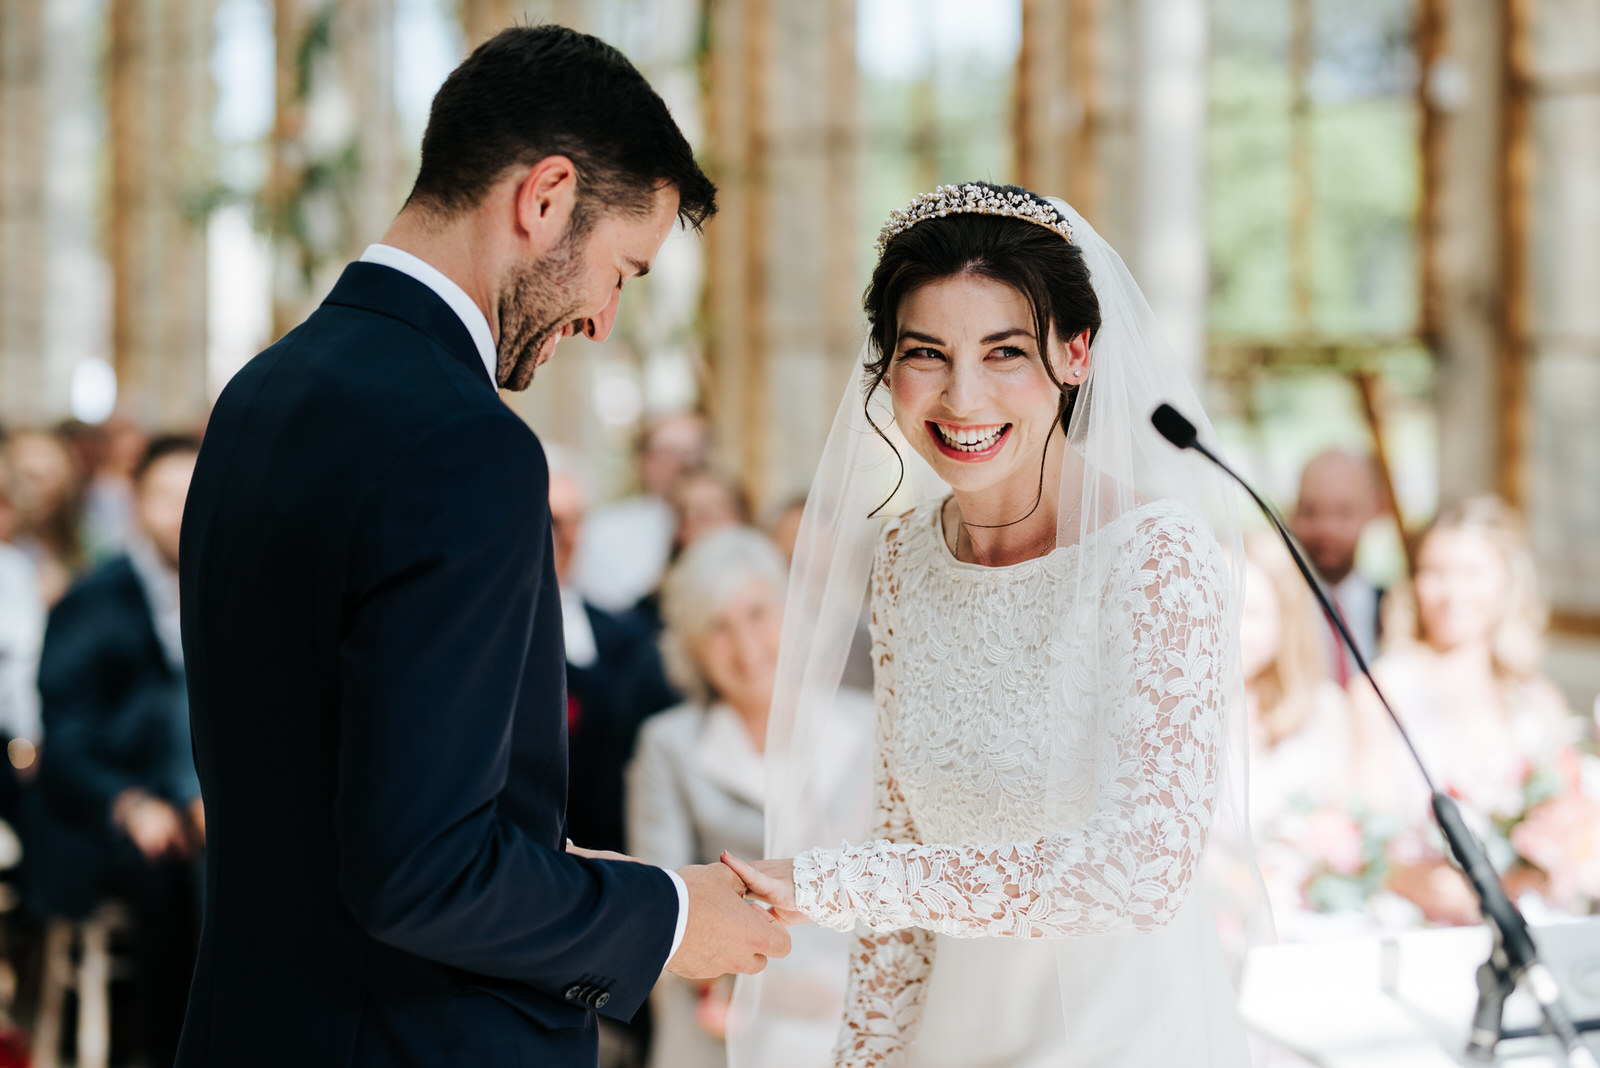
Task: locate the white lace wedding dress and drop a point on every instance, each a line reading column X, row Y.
column 1004, row 924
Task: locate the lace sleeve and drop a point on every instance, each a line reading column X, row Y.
column 1130, row 866
column 888, row 971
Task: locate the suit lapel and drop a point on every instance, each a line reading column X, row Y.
column 376, row 288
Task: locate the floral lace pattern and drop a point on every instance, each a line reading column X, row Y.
column 1110, row 685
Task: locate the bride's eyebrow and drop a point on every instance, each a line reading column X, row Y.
column 999, row 335
column 1002, row 335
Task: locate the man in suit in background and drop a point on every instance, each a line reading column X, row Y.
column 1339, row 495
column 373, row 623
column 119, row 812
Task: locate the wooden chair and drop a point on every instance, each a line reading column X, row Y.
column 90, row 977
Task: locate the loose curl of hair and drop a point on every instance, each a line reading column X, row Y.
column 1048, row 272
column 1516, row 646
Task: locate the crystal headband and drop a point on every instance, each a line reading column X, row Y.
column 972, row 199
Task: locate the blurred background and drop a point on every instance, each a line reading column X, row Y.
column 1367, row 225
column 1374, row 223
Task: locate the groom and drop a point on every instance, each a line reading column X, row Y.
column 372, row 626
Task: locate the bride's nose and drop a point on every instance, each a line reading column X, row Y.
column 963, row 388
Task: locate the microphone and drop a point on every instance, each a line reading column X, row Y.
column 1522, row 956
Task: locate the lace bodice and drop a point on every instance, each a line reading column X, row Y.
column 1048, row 750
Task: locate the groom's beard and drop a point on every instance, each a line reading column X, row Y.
column 537, row 300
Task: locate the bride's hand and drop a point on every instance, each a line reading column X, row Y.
column 771, row 882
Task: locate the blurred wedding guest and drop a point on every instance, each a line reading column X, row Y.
column 107, row 454
column 696, row 787
column 10, row 520
column 626, row 544
column 602, row 648
column 47, row 489
column 21, row 632
column 702, row 500
column 119, row 801
column 1339, row 496
column 1464, row 676
column 1300, row 772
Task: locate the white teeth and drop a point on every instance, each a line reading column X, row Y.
column 970, row 439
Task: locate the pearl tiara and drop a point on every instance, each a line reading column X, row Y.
column 972, row 199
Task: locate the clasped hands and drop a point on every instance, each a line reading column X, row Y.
column 739, row 912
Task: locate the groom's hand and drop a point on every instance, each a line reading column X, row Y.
column 725, row 933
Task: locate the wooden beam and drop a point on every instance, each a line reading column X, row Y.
column 1302, row 176
column 128, row 114
column 754, row 343
column 1431, row 37
column 842, row 281
column 1514, row 357
column 284, row 168
column 482, row 19
column 1084, row 165
column 1368, row 386
column 24, row 115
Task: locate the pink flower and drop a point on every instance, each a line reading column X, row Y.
column 1335, row 839
column 1562, row 836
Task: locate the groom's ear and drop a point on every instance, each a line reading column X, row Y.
column 543, row 202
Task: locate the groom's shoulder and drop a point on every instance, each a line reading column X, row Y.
column 351, row 366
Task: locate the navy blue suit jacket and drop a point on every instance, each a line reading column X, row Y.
column 114, row 718
column 372, row 634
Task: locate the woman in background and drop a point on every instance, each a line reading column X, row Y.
column 1299, row 732
column 696, row 787
column 1465, row 679
column 47, row 489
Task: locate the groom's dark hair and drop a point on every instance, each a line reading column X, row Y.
column 535, row 91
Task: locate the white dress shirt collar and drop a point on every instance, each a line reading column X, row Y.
column 466, row 309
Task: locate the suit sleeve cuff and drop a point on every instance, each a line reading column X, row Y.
column 683, row 911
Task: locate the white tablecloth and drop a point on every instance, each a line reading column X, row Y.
column 1406, row 1001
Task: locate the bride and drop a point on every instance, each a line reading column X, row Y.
column 1058, row 786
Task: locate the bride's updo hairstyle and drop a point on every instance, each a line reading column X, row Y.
column 1029, row 257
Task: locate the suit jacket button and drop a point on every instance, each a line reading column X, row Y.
column 601, row 999
column 573, row 993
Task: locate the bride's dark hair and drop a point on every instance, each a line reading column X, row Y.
column 1030, row 258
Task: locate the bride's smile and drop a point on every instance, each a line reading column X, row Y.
column 970, row 390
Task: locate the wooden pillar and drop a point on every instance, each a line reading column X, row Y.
column 1465, row 88
column 1431, row 35
column 159, row 107
column 843, row 277
column 290, row 19
column 1165, row 246
column 1516, row 187
column 23, row 117
column 738, row 238
column 365, row 32
column 1302, row 178
column 333, row 182
column 1058, row 119
column 482, row 19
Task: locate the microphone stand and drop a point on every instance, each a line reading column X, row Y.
column 1515, row 957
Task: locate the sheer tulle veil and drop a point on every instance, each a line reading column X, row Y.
column 1116, row 466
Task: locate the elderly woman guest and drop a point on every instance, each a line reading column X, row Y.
column 1466, row 680
column 696, row 787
